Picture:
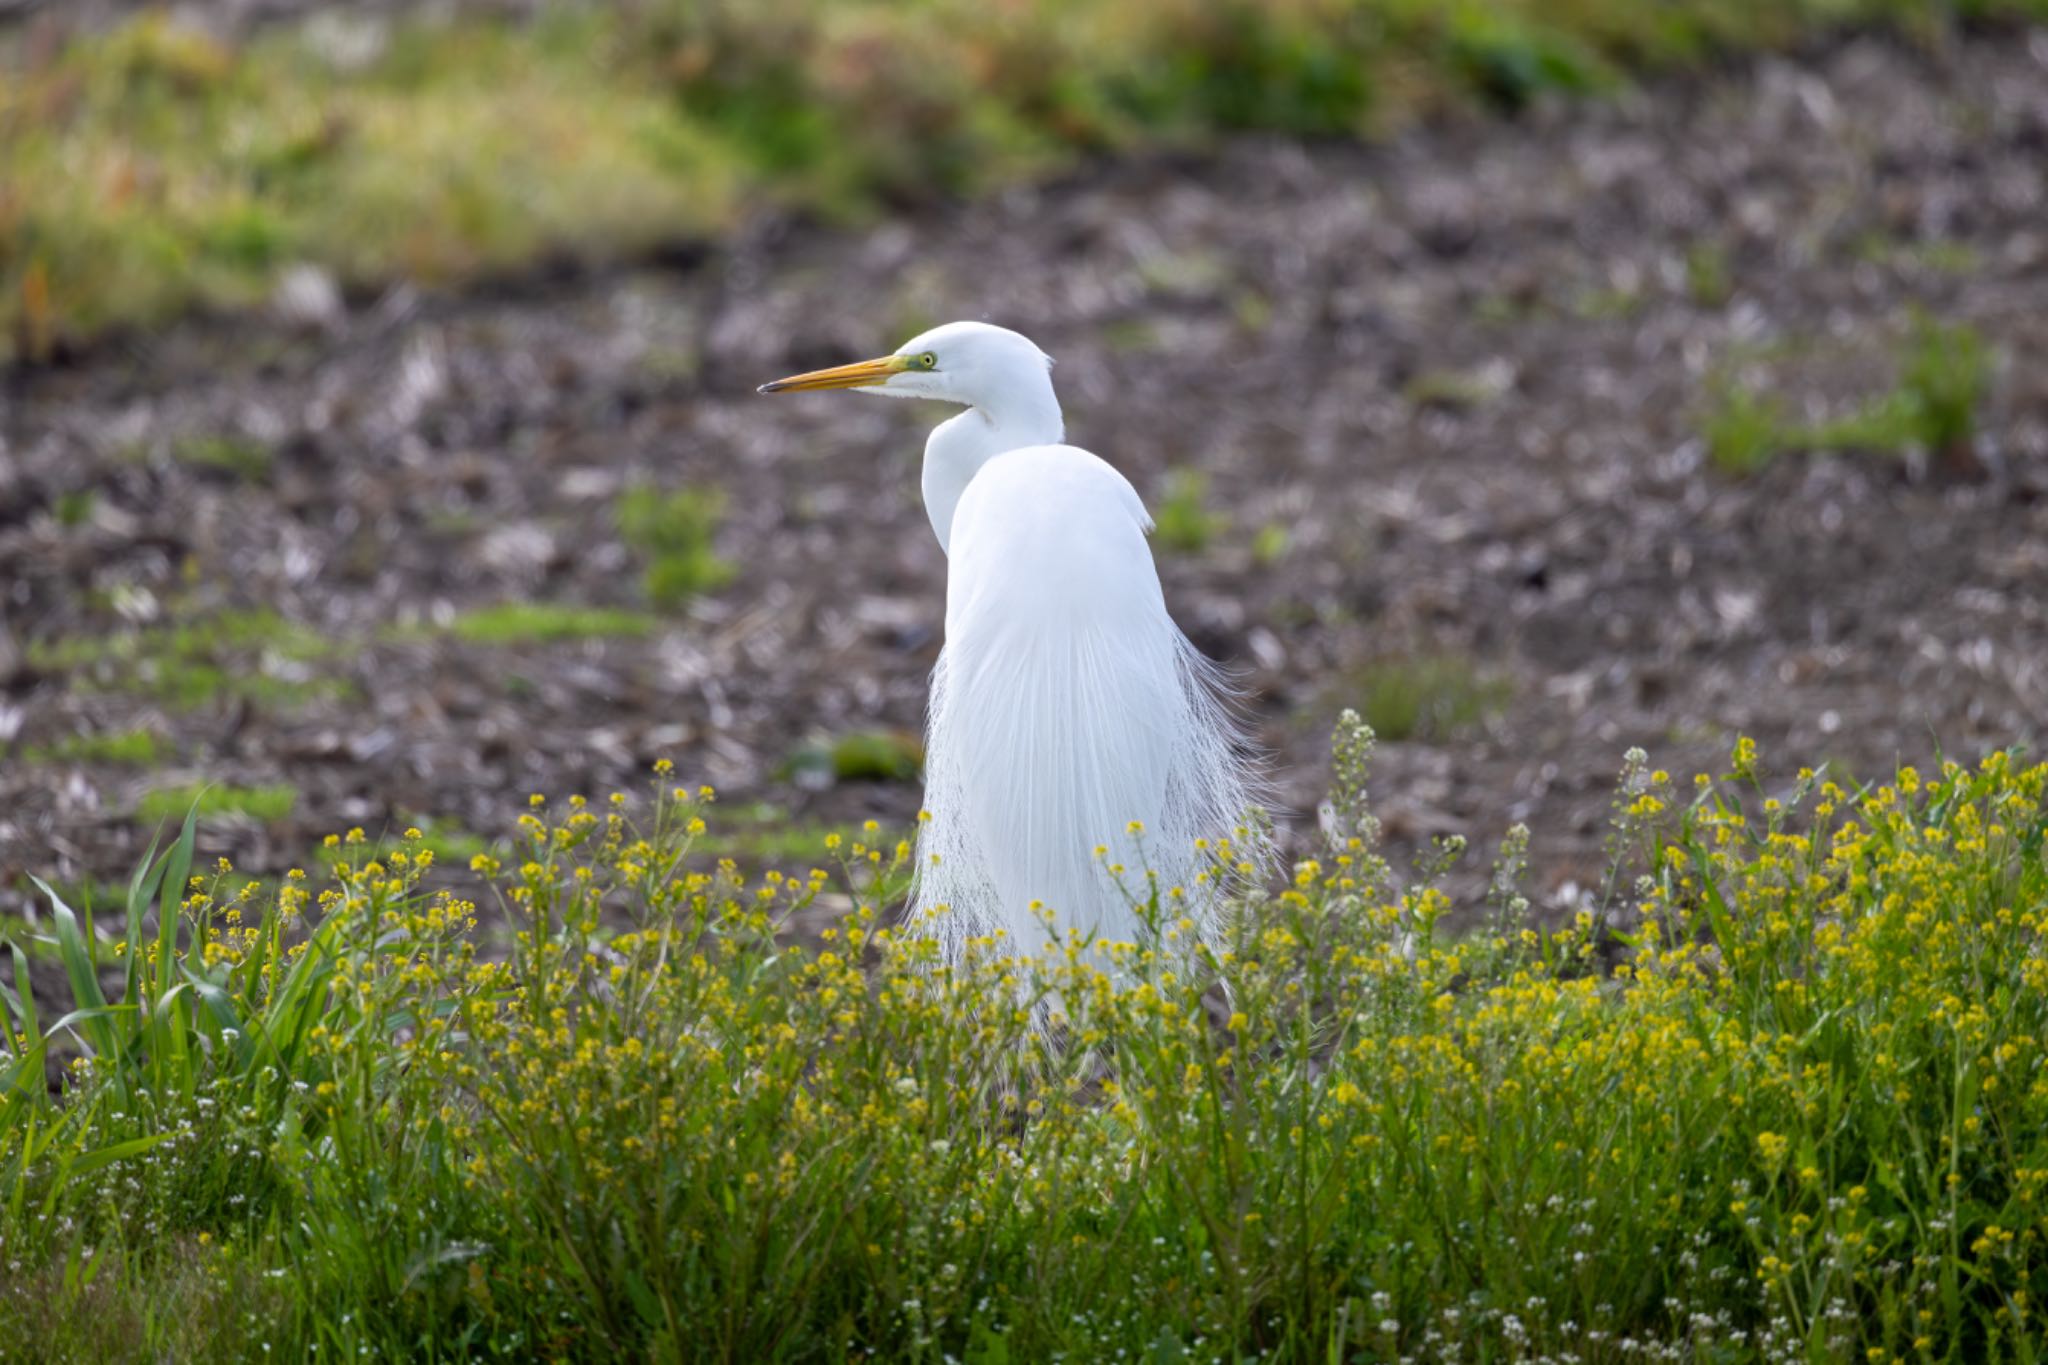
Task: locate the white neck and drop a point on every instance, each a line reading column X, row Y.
column 1027, row 414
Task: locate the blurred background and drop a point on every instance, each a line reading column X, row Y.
column 1542, row 378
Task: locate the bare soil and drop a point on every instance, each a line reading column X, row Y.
column 1464, row 374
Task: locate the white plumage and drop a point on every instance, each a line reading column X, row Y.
column 1066, row 706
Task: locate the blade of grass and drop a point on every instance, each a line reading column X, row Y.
column 142, row 887
column 83, row 972
column 22, row 999
column 177, row 867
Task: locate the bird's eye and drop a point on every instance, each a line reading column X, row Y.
column 928, row 360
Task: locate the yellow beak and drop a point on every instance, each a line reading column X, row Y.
column 861, row 375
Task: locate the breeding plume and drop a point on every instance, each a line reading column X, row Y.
column 1068, row 712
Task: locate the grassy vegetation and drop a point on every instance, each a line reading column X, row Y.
column 137, row 748
column 1944, row 375
column 152, row 168
column 520, row 623
column 258, row 803
column 1182, row 521
column 234, row 455
column 1787, row 1100
column 674, row 533
column 858, row 756
column 254, row 654
column 1426, row 696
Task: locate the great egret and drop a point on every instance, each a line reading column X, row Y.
column 1073, row 727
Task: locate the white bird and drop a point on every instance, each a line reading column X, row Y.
column 1073, row 728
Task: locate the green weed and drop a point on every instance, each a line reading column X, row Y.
column 75, row 508
column 266, row 804
column 254, row 654
column 1708, row 279
column 230, row 454
column 136, row 748
column 1782, row 1100
column 1744, row 430
column 859, row 756
column 525, row 623
column 674, row 533
column 155, row 167
column 1432, row 697
column 1182, row 522
column 1453, row 390
column 1944, row 375
column 1271, row 544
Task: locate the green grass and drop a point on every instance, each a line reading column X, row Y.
column 1944, row 376
column 1709, row 280
column 153, row 167
column 521, row 623
column 234, row 455
column 76, row 507
column 202, row 657
column 134, row 748
column 1453, row 390
column 858, row 756
column 674, row 533
column 1431, row 696
column 1182, row 521
column 1745, row 430
column 266, row 804
column 1786, row 1099
column 1271, row 544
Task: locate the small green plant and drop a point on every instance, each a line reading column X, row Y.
column 202, row 657
column 1511, row 62
column 1708, row 280
column 1944, row 375
column 1182, row 522
column 674, row 534
column 859, row 756
column 136, row 748
column 1745, row 430
column 1453, row 390
column 235, row 455
column 76, row 507
column 1431, row 696
column 540, row 623
column 1271, row 544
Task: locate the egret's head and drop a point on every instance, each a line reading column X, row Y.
column 961, row 362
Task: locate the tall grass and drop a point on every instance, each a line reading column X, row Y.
column 1782, row 1098
column 153, row 167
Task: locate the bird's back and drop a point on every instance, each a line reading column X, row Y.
column 1066, row 705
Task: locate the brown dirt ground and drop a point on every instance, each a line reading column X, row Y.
column 1465, row 373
